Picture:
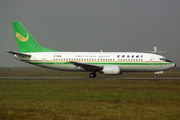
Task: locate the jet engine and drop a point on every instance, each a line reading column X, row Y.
column 112, row 70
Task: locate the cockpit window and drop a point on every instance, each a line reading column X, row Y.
column 165, row 59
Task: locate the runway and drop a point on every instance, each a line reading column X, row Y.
column 82, row 78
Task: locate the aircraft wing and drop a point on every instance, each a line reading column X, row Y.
column 18, row 53
column 88, row 67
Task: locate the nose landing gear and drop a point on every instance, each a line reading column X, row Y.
column 155, row 76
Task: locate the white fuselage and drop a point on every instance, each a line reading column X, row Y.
column 128, row 61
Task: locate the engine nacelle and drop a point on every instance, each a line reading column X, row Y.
column 112, row 70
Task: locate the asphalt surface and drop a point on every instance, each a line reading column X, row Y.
column 75, row 78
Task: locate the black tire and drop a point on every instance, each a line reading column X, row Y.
column 92, row 75
column 155, row 76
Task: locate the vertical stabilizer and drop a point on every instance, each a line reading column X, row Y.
column 26, row 43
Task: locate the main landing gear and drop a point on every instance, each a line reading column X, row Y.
column 92, row 75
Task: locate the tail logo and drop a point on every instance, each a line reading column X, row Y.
column 21, row 38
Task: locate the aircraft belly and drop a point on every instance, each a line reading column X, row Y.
column 144, row 68
column 124, row 68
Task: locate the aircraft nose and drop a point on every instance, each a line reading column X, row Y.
column 174, row 65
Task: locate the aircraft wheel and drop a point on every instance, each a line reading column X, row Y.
column 155, row 76
column 92, row 75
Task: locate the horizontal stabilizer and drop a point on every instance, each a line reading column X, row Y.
column 18, row 53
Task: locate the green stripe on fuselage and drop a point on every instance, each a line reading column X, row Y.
column 68, row 63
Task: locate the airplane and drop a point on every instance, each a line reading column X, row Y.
column 107, row 63
column 156, row 51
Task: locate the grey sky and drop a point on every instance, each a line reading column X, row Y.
column 93, row 25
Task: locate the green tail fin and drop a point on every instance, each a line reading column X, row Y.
column 26, row 43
